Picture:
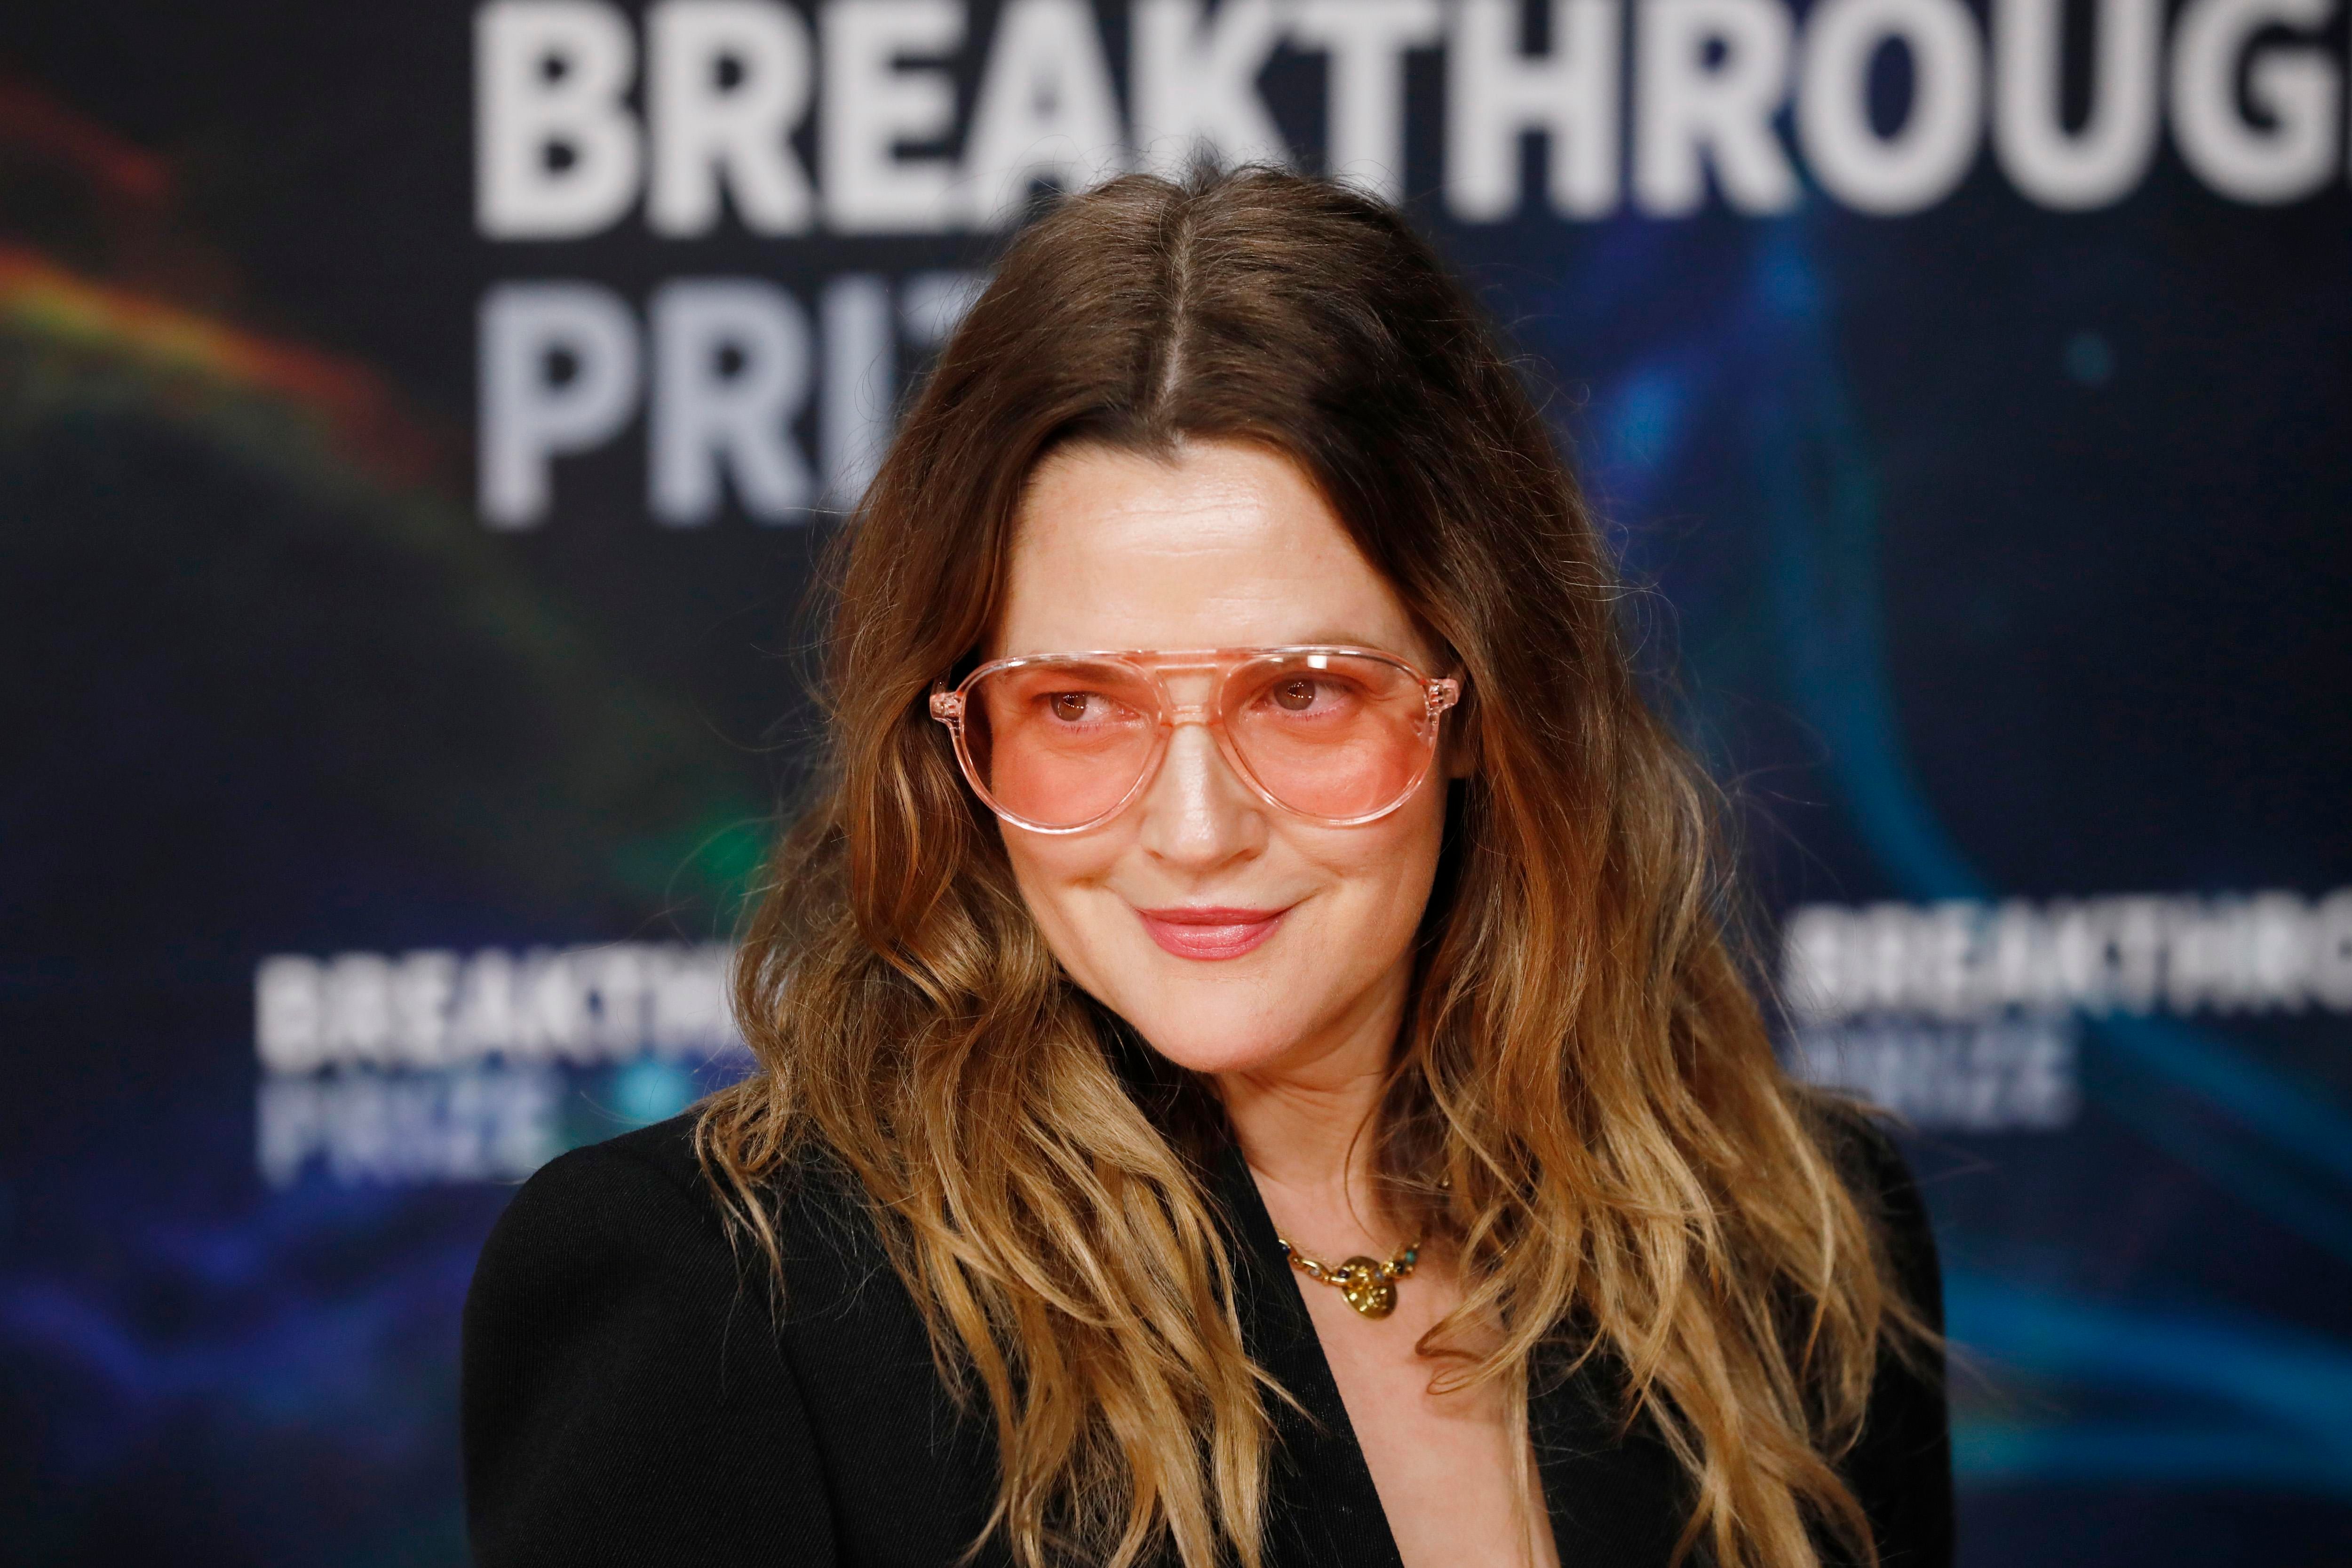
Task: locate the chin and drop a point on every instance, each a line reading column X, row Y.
column 1204, row 1028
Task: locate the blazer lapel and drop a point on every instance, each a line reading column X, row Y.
column 1322, row 1504
column 1614, row 1500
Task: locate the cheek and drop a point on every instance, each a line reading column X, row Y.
column 1062, row 881
column 1420, row 830
column 1383, row 871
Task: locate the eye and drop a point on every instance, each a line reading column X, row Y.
column 1294, row 696
column 1082, row 707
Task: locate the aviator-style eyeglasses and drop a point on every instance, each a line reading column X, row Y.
column 1061, row 742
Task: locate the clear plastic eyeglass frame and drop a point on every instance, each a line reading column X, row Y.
column 1153, row 667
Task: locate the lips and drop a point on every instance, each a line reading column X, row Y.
column 1209, row 932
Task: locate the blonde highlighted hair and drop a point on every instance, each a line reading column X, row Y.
column 1626, row 1171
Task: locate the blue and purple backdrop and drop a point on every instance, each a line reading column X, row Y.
column 418, row 421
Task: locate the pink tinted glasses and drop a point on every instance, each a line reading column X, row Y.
column 1063, row 742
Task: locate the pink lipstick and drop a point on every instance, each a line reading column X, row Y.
column 1210, row 931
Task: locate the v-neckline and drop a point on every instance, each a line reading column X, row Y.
column 1611, row 1497
column 1323, row 1502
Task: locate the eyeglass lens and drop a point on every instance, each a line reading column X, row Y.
column 1061, row 743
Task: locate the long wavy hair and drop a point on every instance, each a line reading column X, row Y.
column 1585, row 1103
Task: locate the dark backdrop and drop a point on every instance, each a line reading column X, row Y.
column 1995, row 555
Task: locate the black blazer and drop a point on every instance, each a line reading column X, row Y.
column 629, row 1397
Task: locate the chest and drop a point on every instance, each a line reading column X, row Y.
column 1368, row 1468
column 1454, row 1475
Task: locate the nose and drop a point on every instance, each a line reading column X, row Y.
column 1197, row 815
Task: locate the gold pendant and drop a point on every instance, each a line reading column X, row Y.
column 1365, row 1283
column 1367, row 1287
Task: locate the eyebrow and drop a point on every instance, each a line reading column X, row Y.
column 1341, row 637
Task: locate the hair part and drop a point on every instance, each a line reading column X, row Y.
column 1585, row 1099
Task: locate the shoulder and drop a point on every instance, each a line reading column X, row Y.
column 613, row 1353
column 1857, row 1136
column 1880, row 1178
column 638, row 1387
column 1901, row 1464
column 605, row 1203
column 607, row 1262
column 642, row 1199
column 627, row 1238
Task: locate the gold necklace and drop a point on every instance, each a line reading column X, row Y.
column 1369, row 1284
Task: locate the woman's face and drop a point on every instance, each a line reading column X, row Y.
column 1228, row 546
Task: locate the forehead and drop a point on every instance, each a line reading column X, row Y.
column 1228, row 545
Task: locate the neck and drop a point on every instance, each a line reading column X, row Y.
column 1308, row 1126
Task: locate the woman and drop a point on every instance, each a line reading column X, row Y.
column 1251, row 1064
